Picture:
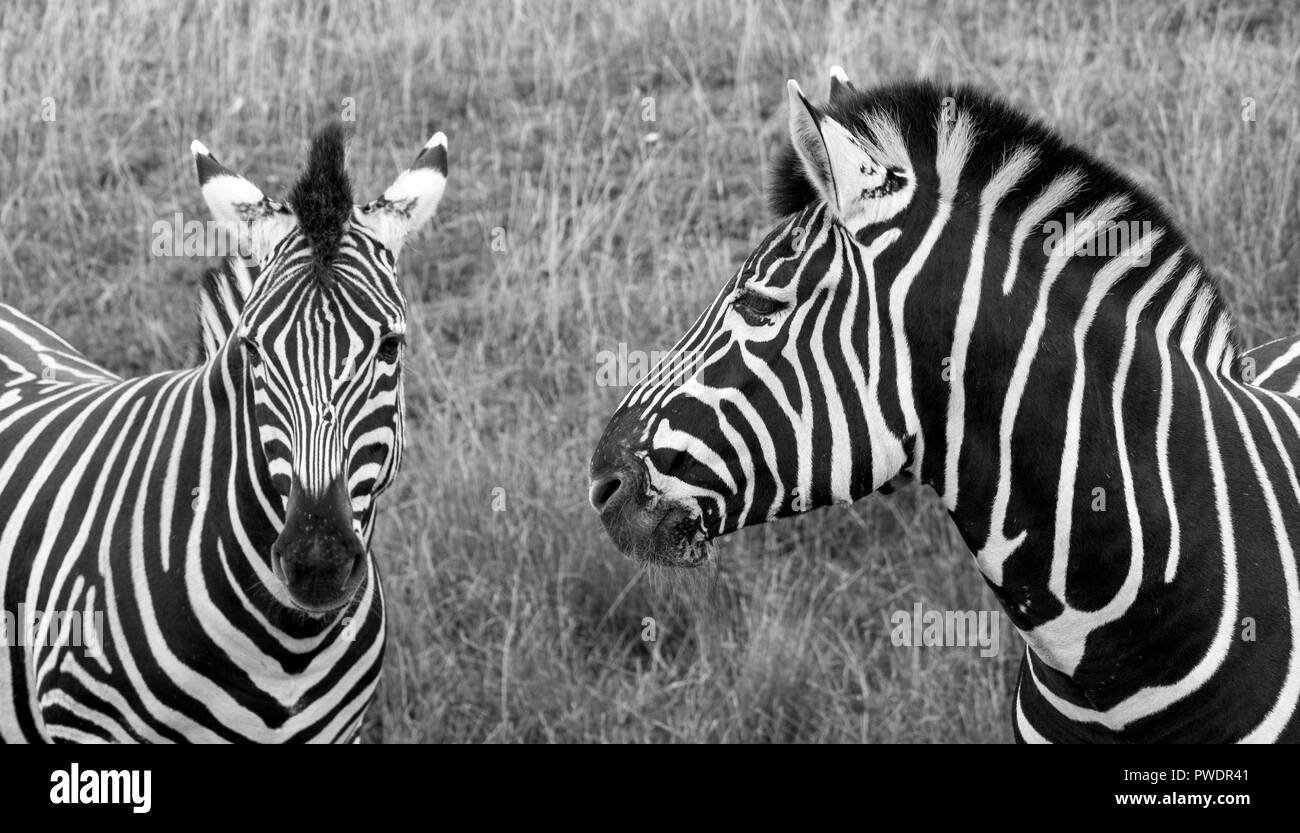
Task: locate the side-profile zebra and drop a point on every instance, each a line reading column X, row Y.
column 186, row 556
column 954, row 294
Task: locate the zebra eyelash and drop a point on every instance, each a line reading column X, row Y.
column 250, row 350
column 756, row 308
column 390, row 348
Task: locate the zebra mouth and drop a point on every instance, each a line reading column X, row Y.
column 316, row 596
column 692, row 554
column 658, row 532
column 318, row 556
column 646, row 524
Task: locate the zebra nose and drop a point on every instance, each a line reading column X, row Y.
column 604, row 489
column 319, row 574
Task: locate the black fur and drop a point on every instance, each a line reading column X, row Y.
column 208, row 167
column 788, row 188
column 322, row 196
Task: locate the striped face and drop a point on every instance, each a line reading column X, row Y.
column 323, row 353
column 761, row 428
column 785, row 395
column 320, row 343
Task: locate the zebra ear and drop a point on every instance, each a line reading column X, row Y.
column 413, row 197
column 841, row 88
column 262, row 222
column 847, row 177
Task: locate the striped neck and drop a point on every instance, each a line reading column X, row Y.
column 1082, row 434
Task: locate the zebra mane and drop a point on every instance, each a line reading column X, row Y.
column 322, row 197
column 221, row 301
column 915, row 108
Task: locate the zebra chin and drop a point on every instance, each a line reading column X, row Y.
column 650, row 529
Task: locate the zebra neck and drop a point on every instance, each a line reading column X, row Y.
column 244, row 510
column 1087, row 473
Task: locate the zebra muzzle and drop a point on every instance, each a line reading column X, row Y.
column 318, row 555
column 647, row 528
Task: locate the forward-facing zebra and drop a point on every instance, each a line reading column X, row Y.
column 954, row 294
column 212, row 526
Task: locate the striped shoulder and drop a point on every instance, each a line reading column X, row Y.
column 31, row 351
column 221, row 301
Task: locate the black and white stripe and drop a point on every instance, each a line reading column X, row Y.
column 222, row 297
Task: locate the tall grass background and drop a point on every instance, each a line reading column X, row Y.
column 618, row 151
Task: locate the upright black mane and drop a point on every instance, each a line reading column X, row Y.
column 322, row 196
column 915, row 106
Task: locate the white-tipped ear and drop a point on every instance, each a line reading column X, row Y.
column 856, row 186
column 806, row 137
column 841, row 88
column 260, row 222
column 413, row 197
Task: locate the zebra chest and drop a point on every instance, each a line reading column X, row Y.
column 180, row 655
column 208, row 686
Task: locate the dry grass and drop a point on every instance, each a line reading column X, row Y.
column 524, row 624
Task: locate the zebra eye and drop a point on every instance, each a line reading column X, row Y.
column 390, row 348
column 755, row 308
column 250, row 350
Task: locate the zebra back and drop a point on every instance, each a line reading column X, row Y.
column 30, row 351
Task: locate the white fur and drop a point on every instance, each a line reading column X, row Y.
column 843, row 171
column 408, row 203
column 238, row 202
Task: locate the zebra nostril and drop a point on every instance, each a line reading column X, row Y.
column 603, row 490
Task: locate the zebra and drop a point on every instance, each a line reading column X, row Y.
column 1075, row 399
column 214, row 524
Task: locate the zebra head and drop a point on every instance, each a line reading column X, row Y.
column 789, row 392
column 320, row 344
